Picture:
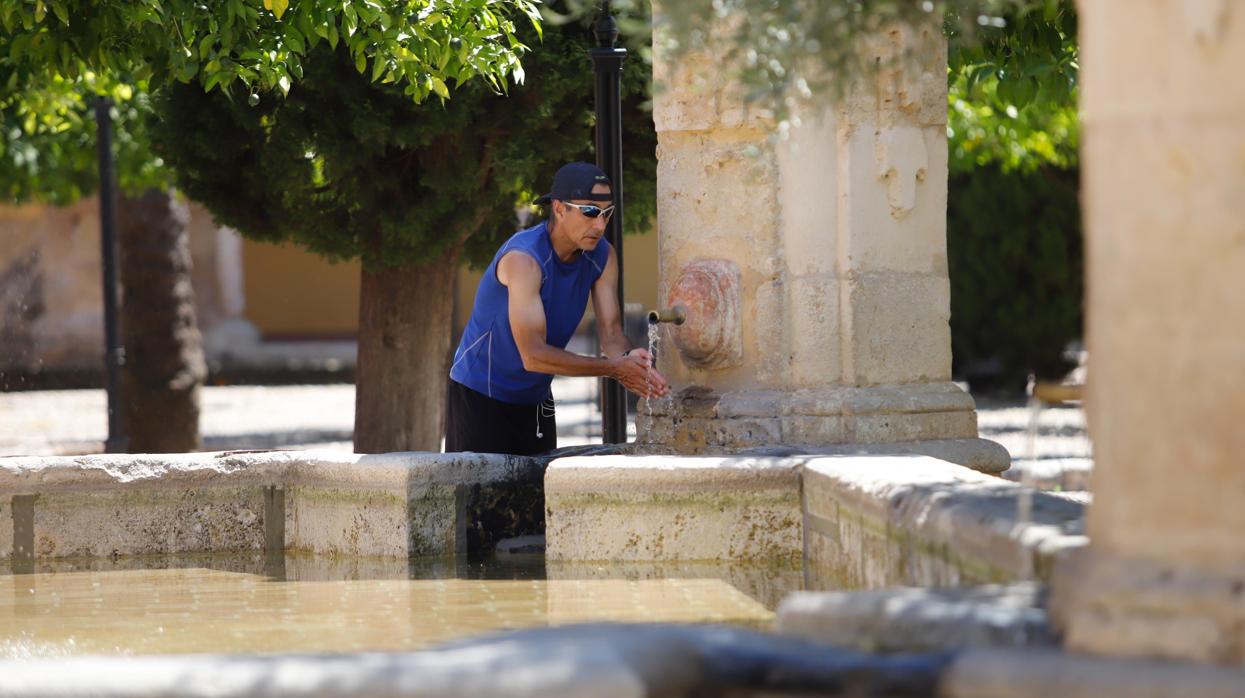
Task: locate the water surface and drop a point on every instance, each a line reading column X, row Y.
column 303, row 604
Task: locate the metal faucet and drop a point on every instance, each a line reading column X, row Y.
column 677, row 315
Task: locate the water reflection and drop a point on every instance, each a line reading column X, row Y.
column 307, row 604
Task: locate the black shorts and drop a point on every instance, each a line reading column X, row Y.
column 477, row 422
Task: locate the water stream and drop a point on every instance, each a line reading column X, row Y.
column 654, row 343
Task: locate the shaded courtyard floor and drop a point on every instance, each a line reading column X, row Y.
column 1055, row 455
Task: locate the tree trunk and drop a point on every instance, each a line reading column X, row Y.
column 164, row 366
column 404, row 344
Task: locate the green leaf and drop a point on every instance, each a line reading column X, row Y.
column 350, row 21
column 294, row 39
column 1023, row 92
column 438, row 86
column 58, row 8
column 360, row 62
column 278, row 6
column 378, row 68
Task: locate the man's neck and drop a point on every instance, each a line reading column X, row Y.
column 563, row 248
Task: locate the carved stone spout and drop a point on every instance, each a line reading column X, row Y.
column 708, row 292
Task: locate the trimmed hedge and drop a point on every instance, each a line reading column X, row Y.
column 1015, row 258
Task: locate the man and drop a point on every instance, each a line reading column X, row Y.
column 527, row 306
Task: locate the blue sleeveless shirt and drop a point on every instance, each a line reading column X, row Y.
column 487, row 359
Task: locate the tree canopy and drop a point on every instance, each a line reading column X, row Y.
column 55, row 55
column 352, row 168
column 259, row 45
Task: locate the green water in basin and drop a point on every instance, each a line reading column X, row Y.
column 242, row 604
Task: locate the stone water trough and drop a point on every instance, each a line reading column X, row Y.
column 801, row 521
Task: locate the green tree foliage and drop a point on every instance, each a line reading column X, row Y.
column 259, row 45
column 352, row 168
column 56, row 55
column 1012, row 90
column 47, row 140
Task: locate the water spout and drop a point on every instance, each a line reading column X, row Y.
column 677, row 315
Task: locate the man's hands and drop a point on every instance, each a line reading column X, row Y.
column 635, row 372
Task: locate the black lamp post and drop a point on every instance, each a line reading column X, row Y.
column 114, row 354
column 607, row 68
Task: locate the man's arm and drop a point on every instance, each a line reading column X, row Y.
column 520, row 274
column 606, row 306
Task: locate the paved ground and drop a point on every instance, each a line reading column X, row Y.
column 66, row 422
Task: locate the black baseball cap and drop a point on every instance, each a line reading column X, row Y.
column 575, row 181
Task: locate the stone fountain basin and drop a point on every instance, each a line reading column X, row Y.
column 845, row 521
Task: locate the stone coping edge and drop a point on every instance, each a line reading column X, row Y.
column 607, row 660
column 38, row 475
column 645, row 474
column 994, row 673
column 621, row 660
column 972, row 514
column 908, row 398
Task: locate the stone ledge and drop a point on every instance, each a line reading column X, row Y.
column 920, row 620
column 1059, row 474
column 396, row 504
column 631, row 474
column 673, row 508
column 982, row 455
column 982, row 673
column 602, row 661
column 39, row 475
column 1107, row 602
column 967, row 519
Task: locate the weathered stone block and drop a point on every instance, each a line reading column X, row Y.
column 671, row 508
column 810, row 197
column 766, row 336
column 896, row 217
column 899, row 328
column 339, row 521
column 908, row 508
column 816, row 429
column 995, row 673
column 816, row 331
column 933, row 426
column 715, row 200
column 6, row 526
column 920, row 620
column 910, row 85
column 148, row 521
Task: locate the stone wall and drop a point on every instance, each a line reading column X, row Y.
column 396, row 505
column 51, row 307
column 849, row 521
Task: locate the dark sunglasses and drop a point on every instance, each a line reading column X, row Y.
column 591, row 211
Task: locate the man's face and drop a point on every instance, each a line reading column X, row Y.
column 585, row 232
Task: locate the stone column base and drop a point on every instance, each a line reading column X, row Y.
column 936, row 419
column 1109, row 604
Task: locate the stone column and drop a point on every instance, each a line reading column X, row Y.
column 813, row 268
column 1163, row 103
